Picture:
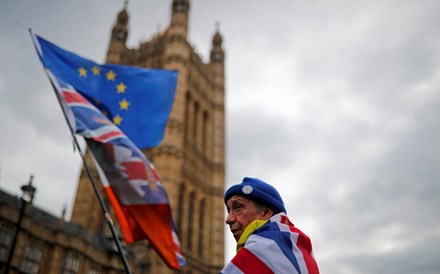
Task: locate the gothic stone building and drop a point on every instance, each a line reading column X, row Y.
column 190, row 161
column 50, row 245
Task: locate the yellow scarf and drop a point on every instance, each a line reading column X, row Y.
column 248, row 231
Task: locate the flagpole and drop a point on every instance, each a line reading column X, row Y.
column 95, row 188
column 92, row 180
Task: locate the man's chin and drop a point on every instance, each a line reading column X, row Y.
column 237, row 235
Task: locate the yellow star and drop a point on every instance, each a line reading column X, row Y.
column 121, row 88
column 96, row 70
column 124, row 104
column 117, row 120
column 82, row 72
column 111, row 75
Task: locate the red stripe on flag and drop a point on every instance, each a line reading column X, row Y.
column 304, row 244
column 74, row 97
column 108, row 135
column 109, row 151
column 125, row 222
column 247, row 262
column 152, row 222
column 155, row 223
column 135, row 170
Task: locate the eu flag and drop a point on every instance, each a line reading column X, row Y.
column 137, row 100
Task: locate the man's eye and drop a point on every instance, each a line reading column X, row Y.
column 236, row 208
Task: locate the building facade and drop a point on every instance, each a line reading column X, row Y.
column 190, row 161
column 50, row 245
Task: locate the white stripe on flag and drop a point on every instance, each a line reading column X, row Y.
column 270, row 253
column 105, row 129
column 298, row 254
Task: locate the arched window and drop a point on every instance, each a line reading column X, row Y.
column 205, row 132
column 180, row 211
column 189, row 235
column 195, row 123
column 188, row 109
column 202, row 213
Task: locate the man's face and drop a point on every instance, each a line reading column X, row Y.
column 241, row 212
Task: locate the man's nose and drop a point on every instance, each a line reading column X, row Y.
column 230, row 218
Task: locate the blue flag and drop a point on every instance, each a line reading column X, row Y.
column 137, row 100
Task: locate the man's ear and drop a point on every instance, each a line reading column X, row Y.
column 267, row 213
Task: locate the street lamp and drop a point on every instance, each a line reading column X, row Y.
column 26, row 197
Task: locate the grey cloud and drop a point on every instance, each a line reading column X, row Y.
column 334, row 102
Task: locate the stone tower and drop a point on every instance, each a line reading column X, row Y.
column 191, row 158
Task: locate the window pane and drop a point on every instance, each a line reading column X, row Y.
column 6, row 232
column 70, row 263
column 31, row 260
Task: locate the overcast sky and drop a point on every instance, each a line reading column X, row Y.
column 336, row 103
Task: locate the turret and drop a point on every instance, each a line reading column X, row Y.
column 179, row 17
column 217, row 52
column 118, row 38
column 217, row 71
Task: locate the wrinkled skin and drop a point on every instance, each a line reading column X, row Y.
column 243, row 211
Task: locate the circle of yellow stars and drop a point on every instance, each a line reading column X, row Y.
column 120, row 89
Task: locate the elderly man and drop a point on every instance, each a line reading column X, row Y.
column 267, row 242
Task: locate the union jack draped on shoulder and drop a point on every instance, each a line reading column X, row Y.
column 276, row 247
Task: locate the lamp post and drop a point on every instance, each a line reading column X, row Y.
column 27, row 196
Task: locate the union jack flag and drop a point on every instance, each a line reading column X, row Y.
column 129, row 178
column 276, row 247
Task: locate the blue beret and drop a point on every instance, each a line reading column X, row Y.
column 259, row 192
